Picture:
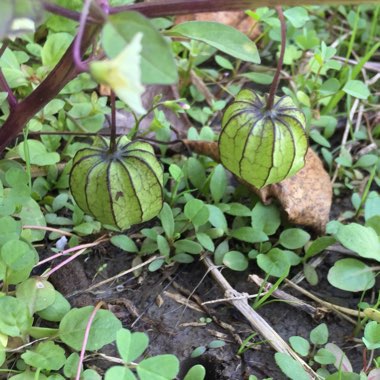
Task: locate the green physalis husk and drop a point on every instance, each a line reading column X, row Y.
column 262, row 146
column 118, row 188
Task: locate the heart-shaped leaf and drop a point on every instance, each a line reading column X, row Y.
column 131, row 345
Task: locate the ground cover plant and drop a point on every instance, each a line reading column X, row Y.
column 161, row 188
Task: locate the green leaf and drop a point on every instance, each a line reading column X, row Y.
column 216, row 344
column 71, row 366
column 15, row 319
column 119, row 373
column 249, row 235
column 351, row 275
column 163, row 246
column 103, row 329
column 124, row 242
column 260, row 78
column 196, row 211
column 290, row 367
column 38, row 154
column 198, row 351
column 157, row 63
column 319, row 245
column 220, row 251
column 223, row 62
column 218, row 183
column 316, row 136
column 20, row 258
column 324, row 357
column 220, row 36
column 167, row 220
column 235, row 209
column 37, row 293
column 196, row 173
column 357, row 88
column 294, row 238
column 297, row 16
column 275, row 262
column 90, row 374
column 320, row 334
column 372, row 335
column 131, row 345
column 206, row 241
column 266, row 218
column 10, row 229
column 360, row 239
column 217, row 218
column 55, row 46
column 235, row 260
column 197, row 372
column 330, row 87
column 188, row 246
column 155, row 265
column 161, row 367
column 123, row 74
column 47, row 356
column 31, row 215
column 300, row 345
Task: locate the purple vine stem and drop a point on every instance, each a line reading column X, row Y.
column 105, row 6
column 12, row 100
column 66, row 69
column 81, row 66
column 85, row 338
column 276, row 79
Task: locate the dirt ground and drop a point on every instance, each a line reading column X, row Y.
column 154, row 303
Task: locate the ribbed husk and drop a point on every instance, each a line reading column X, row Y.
column 120, row 188
column 262, row 146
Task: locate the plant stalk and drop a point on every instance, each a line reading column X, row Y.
column 62, row 74
column 113, row 123
column 276, row 79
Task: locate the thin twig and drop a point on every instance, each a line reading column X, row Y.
column 288, row 298
column 342, row 311
column 80, row 248
column 71, row 258
column 255, row 320
column 243, row 296
column 51, row 229
column 145, row 263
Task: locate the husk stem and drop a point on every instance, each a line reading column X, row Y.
column 276, row 79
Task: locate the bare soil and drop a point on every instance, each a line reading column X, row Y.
column 156, row 304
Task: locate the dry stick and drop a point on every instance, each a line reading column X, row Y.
column 51, row 229
column 288, row 298
column 255, row 320
column 145, row 263
column 342, row 311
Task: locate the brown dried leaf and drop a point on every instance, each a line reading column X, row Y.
column 306, row 197
column 236, row 19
